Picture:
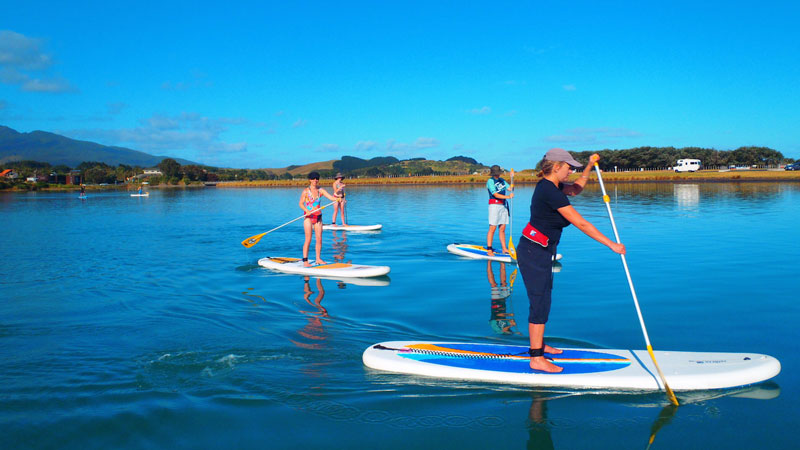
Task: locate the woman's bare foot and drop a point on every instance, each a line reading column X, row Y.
column 552, row 350
column 543, row 365
column 489, row 251
column 307, row 264
column 319, row 262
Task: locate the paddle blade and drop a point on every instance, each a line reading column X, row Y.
column 252, row 240
column 511, row 250
column 512, row 278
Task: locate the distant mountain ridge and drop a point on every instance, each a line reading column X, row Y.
column 55, row 149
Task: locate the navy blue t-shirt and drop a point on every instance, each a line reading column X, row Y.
column 546, row 200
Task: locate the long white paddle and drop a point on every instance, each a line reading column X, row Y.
column 253, row 240
column 607, row 200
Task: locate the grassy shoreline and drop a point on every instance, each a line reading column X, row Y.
column 523, row 177
column 527, row 177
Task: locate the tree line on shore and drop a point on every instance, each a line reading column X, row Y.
column 172, row 172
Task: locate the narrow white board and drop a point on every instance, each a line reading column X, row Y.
column 352, row 227
column 479, row 252
column 334, row 270
column 583, row 368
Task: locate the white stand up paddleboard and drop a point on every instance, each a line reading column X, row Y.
column 583, row 368
column 352, row 227
column 334, row 270
column 480, row 252
column 141, row 195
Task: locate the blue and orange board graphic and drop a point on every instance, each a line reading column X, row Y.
column 509, row 358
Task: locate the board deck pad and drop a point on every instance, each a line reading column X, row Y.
column 583, row 368
column 336, row 269
column 479, row 252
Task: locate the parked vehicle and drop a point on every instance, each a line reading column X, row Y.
column 793, row 166
column 687, row 165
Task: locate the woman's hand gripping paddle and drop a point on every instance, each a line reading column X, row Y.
column 253, row 240
column 607, row 200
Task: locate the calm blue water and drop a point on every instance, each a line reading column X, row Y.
column 142, row 322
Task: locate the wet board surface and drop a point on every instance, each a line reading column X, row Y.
column 352, row 227
column 479, row 252
column 583, row 368
column 337, row 270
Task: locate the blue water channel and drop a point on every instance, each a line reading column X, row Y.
column 144, row 323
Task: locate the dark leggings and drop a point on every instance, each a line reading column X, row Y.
column 536, row 266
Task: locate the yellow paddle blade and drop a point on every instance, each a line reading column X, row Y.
column 252, row 240
column 511, row 250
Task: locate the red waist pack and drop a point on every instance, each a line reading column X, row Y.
column 535, row 235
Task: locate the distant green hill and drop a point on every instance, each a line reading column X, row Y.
column 56, row 149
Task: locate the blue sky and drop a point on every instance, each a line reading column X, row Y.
column 267, row 84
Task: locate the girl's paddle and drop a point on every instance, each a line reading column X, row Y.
column 253, row 240
column 511, row 250
column 607, row 200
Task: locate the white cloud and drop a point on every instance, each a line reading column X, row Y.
column 329, row 148
column 366, row 146
column 23, row 63
column 426, row 142
column 570, row 87
column 187, row 135
column 480, row 111
column 299, row 123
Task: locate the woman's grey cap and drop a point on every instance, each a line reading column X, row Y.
column 561, row 155
column 495, row 170
column 338, row 175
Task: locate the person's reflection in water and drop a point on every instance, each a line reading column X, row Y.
column 539, row 437
column 313, row 331
column 502, row 317
column 340, row 245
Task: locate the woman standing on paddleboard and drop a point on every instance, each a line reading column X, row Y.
column 550, row 213
column 310, row 203
column 338, row 191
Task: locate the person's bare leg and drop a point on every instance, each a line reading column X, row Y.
column 536, row 332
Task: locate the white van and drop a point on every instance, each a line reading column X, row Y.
column 687, row 165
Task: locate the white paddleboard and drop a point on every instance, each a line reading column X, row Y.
column 334, row 270
column 352, row 227
column 583, row 368
column 479, row 252
column 140, row 195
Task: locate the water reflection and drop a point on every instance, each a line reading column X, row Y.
column 539, row 435
column 313, row 334
column 687, row 195
column 502, row 315
column 649, row 192
column 339, row 245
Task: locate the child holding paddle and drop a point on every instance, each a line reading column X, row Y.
column 310, row 203
column 550, row 213
column 498, row 210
